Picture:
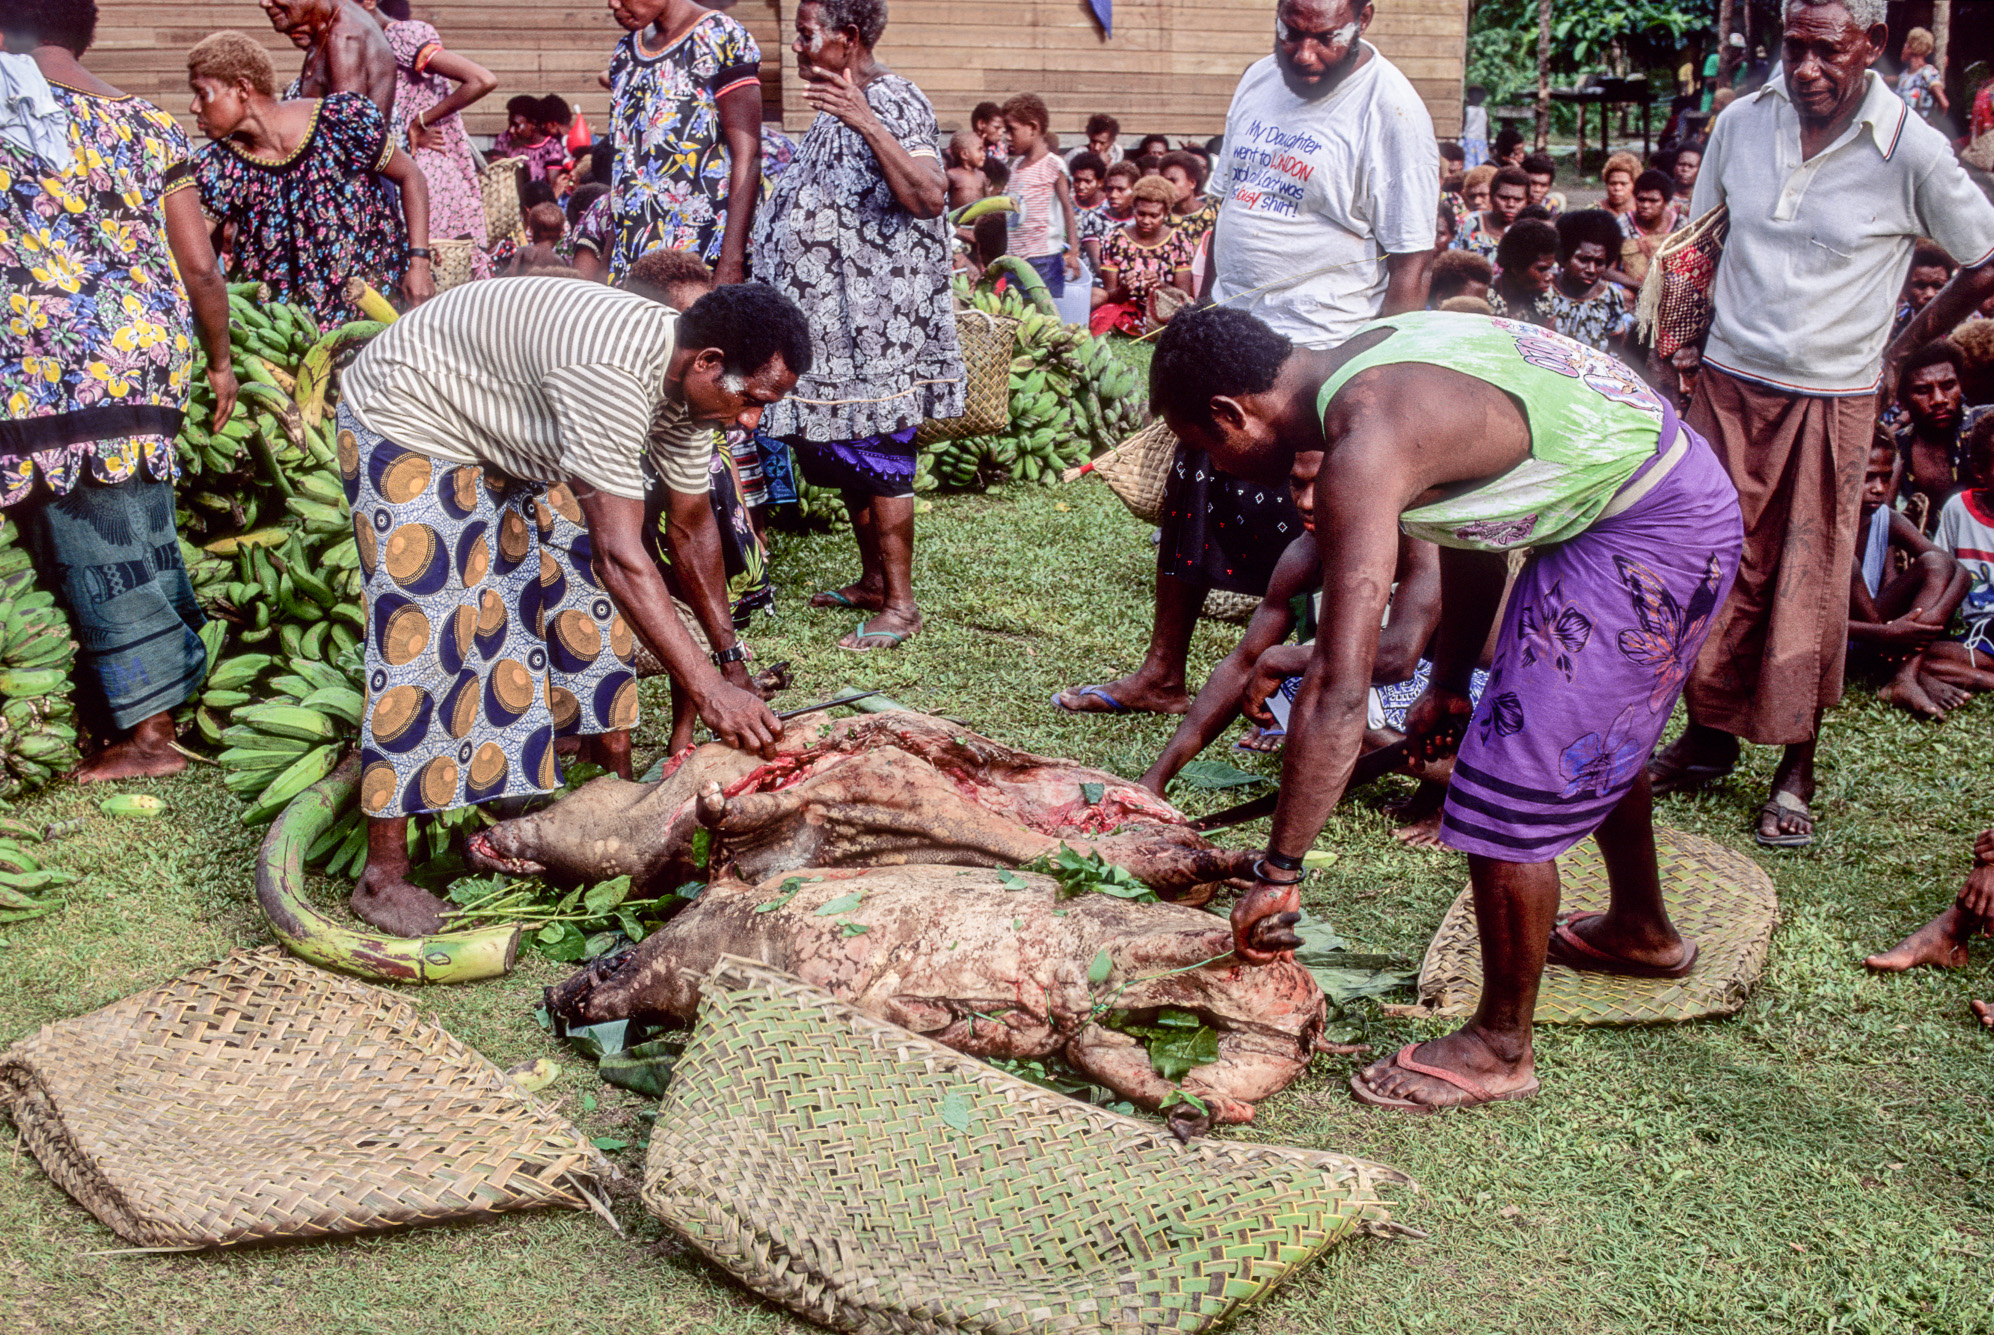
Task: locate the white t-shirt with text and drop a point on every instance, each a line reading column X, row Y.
column 1315, row 194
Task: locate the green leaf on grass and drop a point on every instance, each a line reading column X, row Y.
column 1216, row 774
column 1092, row 792
column 594, row 1040
column 608, row 1143
column 1103, row 965
column 645, row 1069
column 844, row 903
column 600, row 899
column 588, row 1103
column 784, row 893
column 562, row 942
column 1344, row 975
column 631, row 927
column 852, row 929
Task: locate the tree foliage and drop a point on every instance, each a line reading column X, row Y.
column 1502, row 45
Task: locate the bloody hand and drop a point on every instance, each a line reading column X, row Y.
column 1436, row 723
column 1263, row 922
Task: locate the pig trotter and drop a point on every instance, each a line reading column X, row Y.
column 567, row 1002
column 1185, row 1121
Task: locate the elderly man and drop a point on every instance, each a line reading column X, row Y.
column 345, row 51
column 492, row 442
column 1328, row 189
column 1484, row 437
column 1830, row 181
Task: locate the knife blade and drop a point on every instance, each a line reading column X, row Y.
column 1370, row 766
column 828, row 704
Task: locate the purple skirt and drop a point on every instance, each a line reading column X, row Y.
column 870, row 465
column 1599, row 636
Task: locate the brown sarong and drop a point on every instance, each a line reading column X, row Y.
column 1774, row 658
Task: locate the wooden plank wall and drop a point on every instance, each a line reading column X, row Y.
column 1170, row 68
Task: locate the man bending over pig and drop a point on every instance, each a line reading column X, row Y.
column 1482, row 436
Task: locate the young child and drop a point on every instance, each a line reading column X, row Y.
column 1475, row 127
column 527, row 136
column 1047, row 234
column 1459, row 273
column 967, row 182
column 1942, row 942
column 1104, row 134
column 1894, row 619
column 1966, row 531
column 1090, row 203
column 545, row 225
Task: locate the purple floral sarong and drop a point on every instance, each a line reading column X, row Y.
column 1598, row 638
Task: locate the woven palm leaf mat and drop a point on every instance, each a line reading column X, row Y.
column 1719, row 898
column 874, row 1180
column 261, row 1098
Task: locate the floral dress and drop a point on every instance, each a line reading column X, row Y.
column 97, row 348
column 872, row 280
column 549, row 152
column 1596, row 321
column 1143, row 268
column 1475, row 235
column 1916, row 88
column 321, row 215
column 672, row 166
column 456, row 201
column 1198, row 222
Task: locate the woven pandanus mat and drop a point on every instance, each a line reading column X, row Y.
column 261, row 1098
column 1718, row 897
column 874, row 1180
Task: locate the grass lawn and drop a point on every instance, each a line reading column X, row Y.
column 1823, row 1161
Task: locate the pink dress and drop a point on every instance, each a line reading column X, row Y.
column 456, row 204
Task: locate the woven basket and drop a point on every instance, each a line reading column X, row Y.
column 873, row 1180
column 1674, row 306
column 1225, row 605
column 450, row 262
column 499, row 184
column 988, row 344
column 1719, row 898
column 260, row 1098
column 1137, row 469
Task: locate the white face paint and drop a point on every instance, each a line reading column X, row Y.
column 1343, row 36
column 734, row 383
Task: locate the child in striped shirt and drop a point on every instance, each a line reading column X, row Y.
column 1039, row 185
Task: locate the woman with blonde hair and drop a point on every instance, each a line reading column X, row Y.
column 1138, row 261
column 1922, row 85
column 1476, row 183
column 1618, row 176
column 299, row 182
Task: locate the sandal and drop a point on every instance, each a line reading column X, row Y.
column 1666, row 776
column 1573, row 951
column 1098, row 692
column 1784, row 803
column 1403, row 1059
column 861, row 634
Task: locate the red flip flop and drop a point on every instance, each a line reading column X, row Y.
column 1404, row 1060
column 1575, row 952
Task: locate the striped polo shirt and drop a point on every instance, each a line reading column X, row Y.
column 541, row 379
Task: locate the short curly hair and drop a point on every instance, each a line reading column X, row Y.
column 1102, row 123
column 1028, row 108
column 868, row 16
column 1580, row 226
column 229, row 56
column 70, row 24
column 1191, row 164
column 1212, row 352
column 1527, row 241
column 1154, row 190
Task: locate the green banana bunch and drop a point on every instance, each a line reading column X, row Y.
column 37, row 714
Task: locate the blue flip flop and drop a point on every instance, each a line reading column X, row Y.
column 1101, row 692
column 863, row 634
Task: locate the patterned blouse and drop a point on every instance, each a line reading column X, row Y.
column 1474, row 235
column 1595, row 321
column 672, row 165
column 1198, row 221
column 456, row 201
column 549, row 152
column 872, row 279
column 321, row 215
column 1143, row 268
column 97, row 349
column 1915, row 87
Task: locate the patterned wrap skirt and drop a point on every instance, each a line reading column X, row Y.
column 1220, row 532
column 487, row 634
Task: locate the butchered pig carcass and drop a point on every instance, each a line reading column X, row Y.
column 879, row 790
column 993, row 963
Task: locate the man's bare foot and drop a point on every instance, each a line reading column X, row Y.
column 147, row 754
column 396, row 906
column 1133, row 694
column 1653, row 947
column 1984, row 1011
column 1466, row 1053
column 1786, row 820
column 1697, row 757
column 1257, row 741
column 1907, row 691
column 889, row 630
column 858, row 596
column 1948, row 694
column 1939, row 944
column 1421, row 833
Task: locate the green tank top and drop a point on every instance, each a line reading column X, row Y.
column 1593, row 423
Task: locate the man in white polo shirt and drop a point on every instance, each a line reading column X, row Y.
column 492, row 444
column 1830, row 181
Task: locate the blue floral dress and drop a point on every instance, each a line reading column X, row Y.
column 672, row 165
column 306, row 224
column 97, row 348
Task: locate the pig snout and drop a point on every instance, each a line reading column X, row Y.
column 505, row 848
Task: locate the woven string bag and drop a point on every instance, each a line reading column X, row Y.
column 1137, row 470
column 988, row 344
column 261, row 1098
column 873, row 1180
column 1674, row 307
column 499, row 184
column 1717, row 897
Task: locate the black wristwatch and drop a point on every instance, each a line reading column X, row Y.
column 722, row 657
column 418, row 252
